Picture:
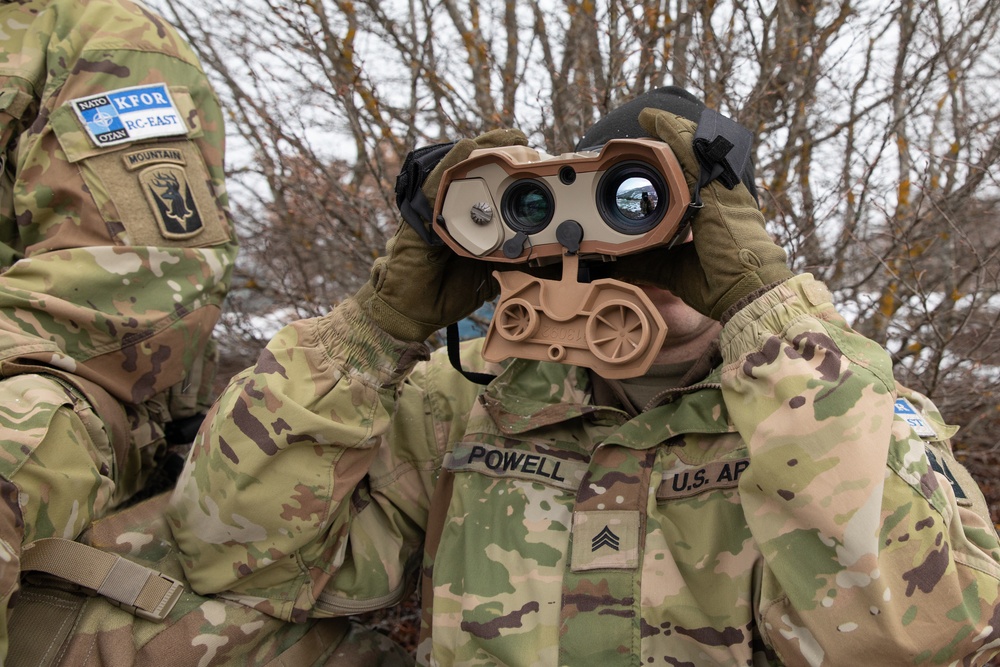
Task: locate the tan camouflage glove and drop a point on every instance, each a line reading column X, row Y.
column 416, row 288
column 732, row 255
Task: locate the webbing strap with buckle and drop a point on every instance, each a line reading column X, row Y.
column 136, row 588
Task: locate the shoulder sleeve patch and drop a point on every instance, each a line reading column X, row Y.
column 940, row 466
column 159, row 193
column 171, row 200
column 965, row 488
column 906, row 411
column 129, row 114
column 152, row 188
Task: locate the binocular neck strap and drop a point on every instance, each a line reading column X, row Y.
column 456, row 361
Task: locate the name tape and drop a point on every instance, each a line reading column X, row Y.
column 498, row 462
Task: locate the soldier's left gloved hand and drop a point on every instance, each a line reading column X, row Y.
column 731, row 255
column 416, row 288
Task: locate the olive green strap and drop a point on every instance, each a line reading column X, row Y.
column 138, row 589
column 40, row 626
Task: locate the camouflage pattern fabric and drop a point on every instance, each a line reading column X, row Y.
column 779, row 512
column 53, row 487
column 94, row 282
column 52, row 625
column 115, row 254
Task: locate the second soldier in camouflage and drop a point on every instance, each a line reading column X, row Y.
column 116, row 252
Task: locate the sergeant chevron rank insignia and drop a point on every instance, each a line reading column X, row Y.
column 605, row 540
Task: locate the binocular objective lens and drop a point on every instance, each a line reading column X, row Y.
column 528, row 206
column 632, row 197
column 636, row 198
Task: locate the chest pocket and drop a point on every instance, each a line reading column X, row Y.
column 149, row 192
column 15, row 104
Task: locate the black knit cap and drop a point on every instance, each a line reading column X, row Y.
column 623, row 122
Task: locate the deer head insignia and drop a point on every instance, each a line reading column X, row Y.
column 170, row 195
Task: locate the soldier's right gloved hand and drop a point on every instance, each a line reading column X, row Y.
column 416, row 289
column 731, row 256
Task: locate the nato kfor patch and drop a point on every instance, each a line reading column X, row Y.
column 130, row 114
column 904, row 409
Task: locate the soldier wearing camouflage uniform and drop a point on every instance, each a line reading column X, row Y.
column 757, row 500
column 116, row 252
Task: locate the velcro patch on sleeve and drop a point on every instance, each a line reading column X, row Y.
column 172, row 201
column 130, row 114
column 160, row 194
column 941, row 467
column 906, row 410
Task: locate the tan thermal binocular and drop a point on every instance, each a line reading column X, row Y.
column 520, row 205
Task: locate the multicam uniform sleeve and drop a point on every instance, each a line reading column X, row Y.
column 115, row 243
column 307, row 491
column 873, row 555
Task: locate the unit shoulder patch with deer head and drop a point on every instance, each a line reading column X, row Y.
column 172, row 201
column 156, row 194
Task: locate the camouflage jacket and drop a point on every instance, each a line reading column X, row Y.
column 115, row 245
column 782, row 511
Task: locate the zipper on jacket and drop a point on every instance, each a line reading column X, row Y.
column 344, row 606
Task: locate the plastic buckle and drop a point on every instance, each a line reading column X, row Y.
column 163, row 607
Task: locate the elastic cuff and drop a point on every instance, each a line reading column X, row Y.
column 746, row 301
column 770, row 313
column 350, row 333
column 752, row 284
